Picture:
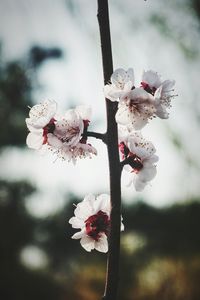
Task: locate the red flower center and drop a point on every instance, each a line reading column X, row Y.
column 147, row 88
column 132, row 159
column 49, row 128
column 97, row 224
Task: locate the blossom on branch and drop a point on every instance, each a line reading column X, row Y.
column 135, row 108
column 121, row 82
column 92, row 216
column 137, row 105
column 138, row 157
column 160, row 90
column 60, row 134
column 41, row 121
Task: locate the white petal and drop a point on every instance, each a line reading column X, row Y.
column 168, row 85
column 71, row 115
column 85, row 209
column 34, row 140
column 147, row 173
column 87, row 243
column 41, row 114
column 84, row 112
column 139, row 94
column 139, row 184
column 130, row 75
column 102, row 244
column 161, row 112
column 123, row 115
column 118, row 76
column 138, row 122
column 158, row 93
column 76, row 222
column 111, row 92
column 141, row 147
column 78, row 235
column 152, row 78
column 103, row 203
column 54, row 141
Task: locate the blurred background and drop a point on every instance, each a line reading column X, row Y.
column 51, row 50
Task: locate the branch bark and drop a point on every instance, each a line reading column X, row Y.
column 112, row 276
column 97, row 135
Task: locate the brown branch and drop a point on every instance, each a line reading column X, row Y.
column 112, row 276
column 97, row 135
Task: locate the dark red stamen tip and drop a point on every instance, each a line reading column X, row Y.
column 97, row 224
column 49, row 128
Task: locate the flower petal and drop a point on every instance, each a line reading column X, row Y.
column 78, row 235
column 34, row 140
column 87, row 243
column 76, row 222
column 102, row 244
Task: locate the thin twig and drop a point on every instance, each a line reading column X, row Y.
column 112, row 276
column 97, row 135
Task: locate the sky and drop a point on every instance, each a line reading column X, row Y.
column 145, row 35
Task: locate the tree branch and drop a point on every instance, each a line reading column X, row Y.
column 112, row 276
column 97, row 135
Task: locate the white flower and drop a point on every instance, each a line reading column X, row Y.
column 62, row 135
column 41, row 114
column 140, row 156
column 41, row 121
column 70, row 127
column 135, row 108
column 121, row 82
column 72, row 153
column 152, row 83
column 92, row 216
column 67, row 139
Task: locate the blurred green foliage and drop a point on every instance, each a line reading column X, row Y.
column 159, row 258
column 15, row 88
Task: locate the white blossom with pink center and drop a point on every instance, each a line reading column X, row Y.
column 41, row 121
column 135, row 108
column 161, row 90
column 72, row 153
column 69, row 128
column 62, row 135
column 140, row 157
column 92, row 216
column 67, row 139
column 121, row 82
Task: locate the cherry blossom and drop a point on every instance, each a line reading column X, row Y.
column 135, row 108
column 92, row 216
column 121, row 82
column 70, row 127
column 139, row 156
column 61, row 134
column 138, row 105
column 161, row 90
column 72, row 153
column 41, row 121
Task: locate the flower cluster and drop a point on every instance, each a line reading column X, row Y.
column 136, row 106
column 92, row 216
column 61, row 134
column 66, row 135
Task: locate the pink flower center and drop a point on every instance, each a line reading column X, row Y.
column 147, row 88
column 124, row 150
column 49, row 128
column 97, row 224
